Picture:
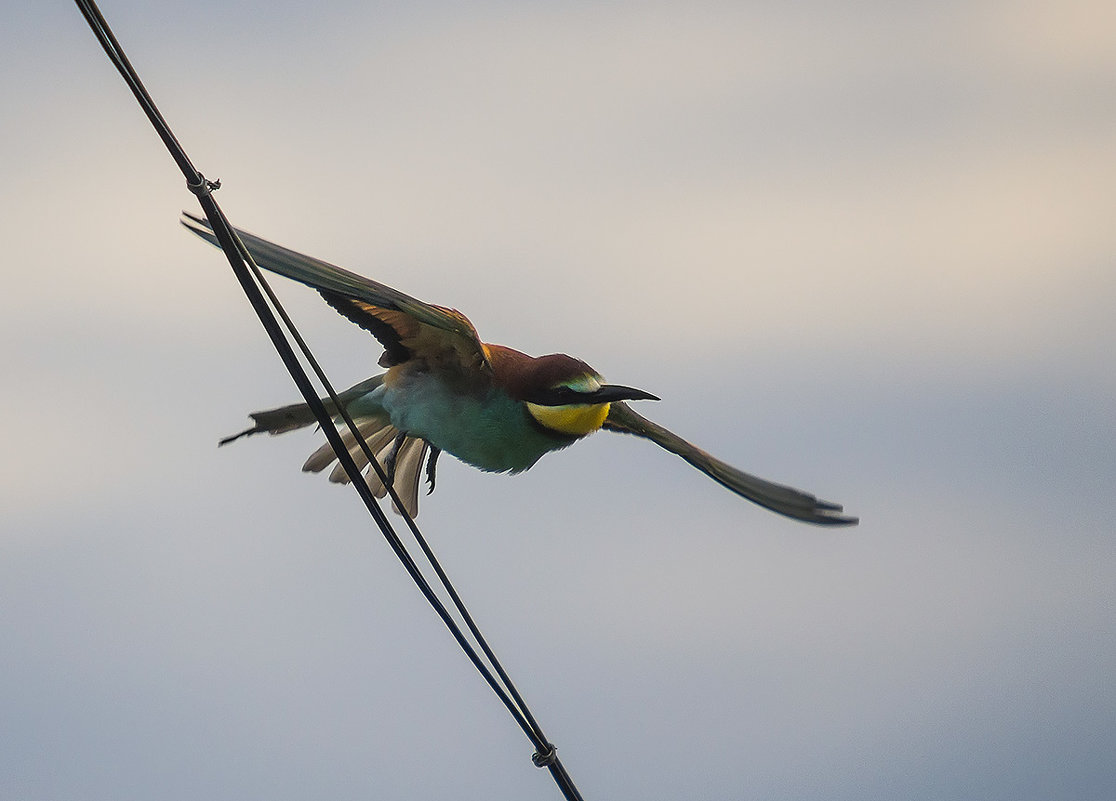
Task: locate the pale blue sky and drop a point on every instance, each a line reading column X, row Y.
column 866, row 249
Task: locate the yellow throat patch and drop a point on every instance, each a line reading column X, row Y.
column 576, row 419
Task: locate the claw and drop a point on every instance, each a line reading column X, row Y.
column 430, row 467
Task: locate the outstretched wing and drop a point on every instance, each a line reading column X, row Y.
column 406, row 327
column 776, row 497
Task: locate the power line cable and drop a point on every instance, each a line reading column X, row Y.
column 266, row 306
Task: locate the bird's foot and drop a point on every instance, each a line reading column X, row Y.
column 431, row 465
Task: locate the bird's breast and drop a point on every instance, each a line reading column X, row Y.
column 485, row 428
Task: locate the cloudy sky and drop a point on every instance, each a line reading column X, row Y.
column 864, row 248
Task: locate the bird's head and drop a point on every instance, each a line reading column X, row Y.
column 567, row 396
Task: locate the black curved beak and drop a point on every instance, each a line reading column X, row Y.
column 615, row 392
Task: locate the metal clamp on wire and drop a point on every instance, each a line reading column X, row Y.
column 544, row 759
column 203, row 187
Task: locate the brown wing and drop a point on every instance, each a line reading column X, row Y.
column 776, row 497
column 406, row 327
column 404, row 337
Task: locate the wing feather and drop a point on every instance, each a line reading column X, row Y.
column 404, row 325
column 776, row 497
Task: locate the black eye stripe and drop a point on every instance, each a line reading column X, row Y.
column 560, row 396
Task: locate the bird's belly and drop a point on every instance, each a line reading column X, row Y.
column 491, row 431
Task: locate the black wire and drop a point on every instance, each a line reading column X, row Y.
column 528, row 722
column 518, row 710
column 545, row 753
column 252, row 280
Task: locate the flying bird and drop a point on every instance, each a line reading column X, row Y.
column 492, row 407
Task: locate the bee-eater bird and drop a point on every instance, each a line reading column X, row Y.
column 490, row 406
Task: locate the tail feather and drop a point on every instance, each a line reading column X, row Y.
column 376, row 440
column 298, row 415
column 383, row 449
column 374, row 427
column 380, row 437
column 408, row 471
column 324, row 456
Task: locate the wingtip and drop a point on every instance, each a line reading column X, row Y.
column 828, row 513
column 199, row 226
column 829, row 516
